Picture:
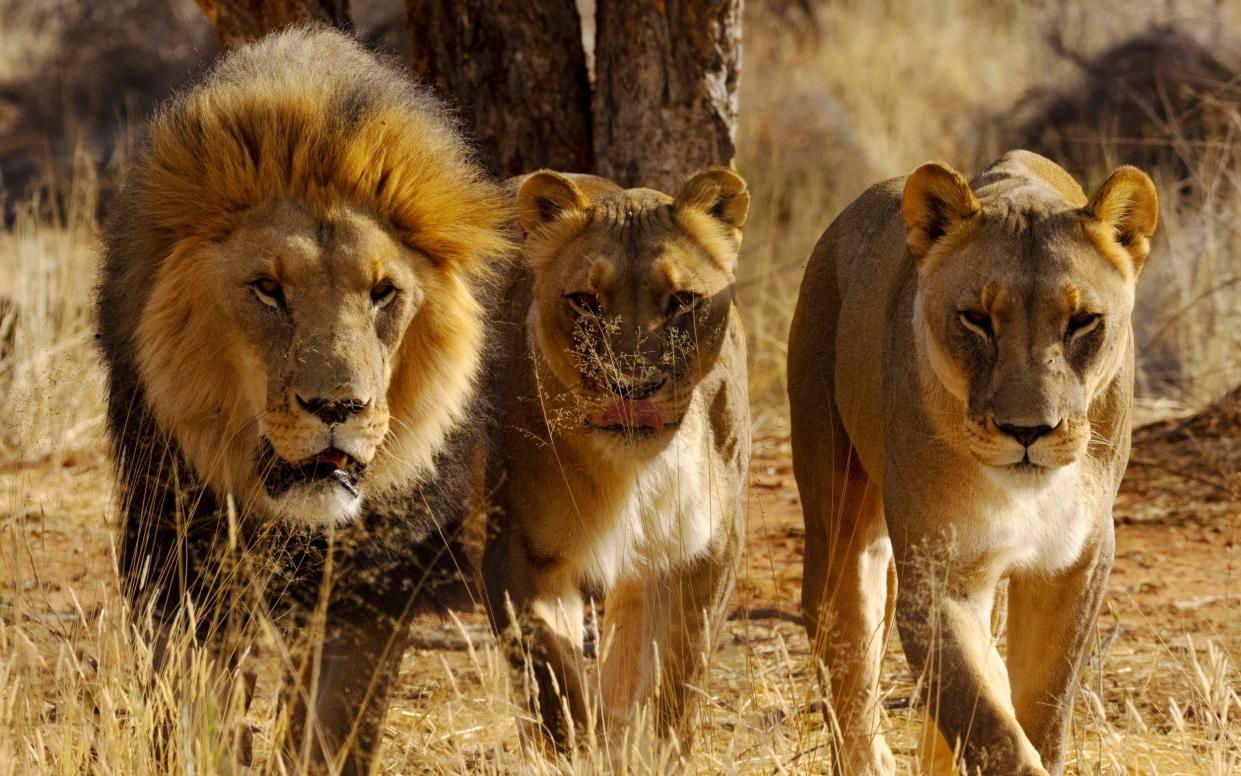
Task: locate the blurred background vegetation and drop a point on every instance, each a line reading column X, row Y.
column 834, row 96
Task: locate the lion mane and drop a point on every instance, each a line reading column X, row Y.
column 306, row 115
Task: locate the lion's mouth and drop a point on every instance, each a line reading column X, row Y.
column 329, row 466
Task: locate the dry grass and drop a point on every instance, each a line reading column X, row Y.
column 862, row 92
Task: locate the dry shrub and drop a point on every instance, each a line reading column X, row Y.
column 87, row 75
column 1162, row 100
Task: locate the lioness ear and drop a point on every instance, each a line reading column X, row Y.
column 936, row 197
column 1128, row 205
column 718, row 192
column 544, row 197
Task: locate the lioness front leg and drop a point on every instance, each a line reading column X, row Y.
column 624, row 641
column 339, row 702
column 946, row 635
column 545, row 639
column 681, row 613
column 1051, row 622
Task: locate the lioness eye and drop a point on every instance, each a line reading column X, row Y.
column 383, row 294
column 976, row 321
column 269, row 291
column 1081, row 322
column 584, row 302
column 682, row 302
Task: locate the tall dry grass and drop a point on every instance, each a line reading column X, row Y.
column 860, row 92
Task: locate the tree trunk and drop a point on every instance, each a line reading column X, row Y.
column 665, row 101
column 237, row 22
column 518, row 72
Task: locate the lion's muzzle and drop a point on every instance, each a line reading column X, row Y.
column 314, row 452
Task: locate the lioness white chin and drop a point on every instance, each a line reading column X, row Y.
column 289, row 313
column 960, row 380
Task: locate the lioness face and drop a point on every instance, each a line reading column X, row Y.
column 314, row 306
column 631, row 326
column 633, row 294
column 1024, row 330
column 1024, row 317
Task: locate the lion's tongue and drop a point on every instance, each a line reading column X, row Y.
column 632, row 414
column 332, row 457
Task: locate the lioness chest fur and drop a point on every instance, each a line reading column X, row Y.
column 653, row 514
column 960, row 381
column 621, row 443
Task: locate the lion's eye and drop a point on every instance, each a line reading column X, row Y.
column 382, row 294
column 976, row 321
column 269, row 291
column 584, row 302
column 682, row 302
column 1082, row 322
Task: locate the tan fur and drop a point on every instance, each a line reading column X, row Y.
column 292, row 287
column 960, row 418
column 651, row 519
column 402, row 182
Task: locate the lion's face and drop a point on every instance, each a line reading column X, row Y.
column 319, row 305
column 310, row 313
column 633, row 296
column 1024, row 316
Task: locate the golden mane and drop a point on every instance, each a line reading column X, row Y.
column 306, row 114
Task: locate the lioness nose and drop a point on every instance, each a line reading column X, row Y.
column 1026, row 435
column 332, row 411
column 628, row 390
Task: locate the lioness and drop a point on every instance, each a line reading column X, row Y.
column 960, row 380
column 289, row 318
column 623, row 441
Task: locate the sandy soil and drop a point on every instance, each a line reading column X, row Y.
column 1175, row 583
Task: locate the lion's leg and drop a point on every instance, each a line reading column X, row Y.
column 1051, row 624
column 337, row 706
column 946, row 634
column 621, row 674
column 682, row 609
column 211, row 680
column 846, row 600
column 938, row 758
column 544, row 642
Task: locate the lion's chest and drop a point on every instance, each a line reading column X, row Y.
column 657, row 515
column 1043, row 527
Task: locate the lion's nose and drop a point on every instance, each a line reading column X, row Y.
column 332, row 411
column 1026, row 435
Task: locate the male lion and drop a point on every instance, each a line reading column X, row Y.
column 623, row 442
column 289, row 318
column 960, row 379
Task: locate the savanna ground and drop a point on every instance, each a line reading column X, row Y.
column 831, row 101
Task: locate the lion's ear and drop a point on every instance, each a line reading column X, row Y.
column 936, row 198
column 720, row 193
column 1128, row 205
column 544, row 197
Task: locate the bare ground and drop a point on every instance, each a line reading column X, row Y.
column 1174, row 589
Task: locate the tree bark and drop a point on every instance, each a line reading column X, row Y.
column 665, row 102
column 518, row 72
column 237, row 22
